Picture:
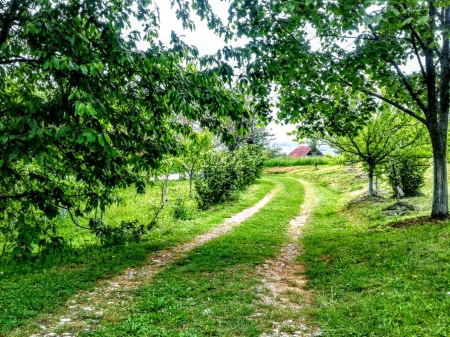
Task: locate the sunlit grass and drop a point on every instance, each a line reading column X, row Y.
column 370, row 279
column 28, row 289
column 302, row 161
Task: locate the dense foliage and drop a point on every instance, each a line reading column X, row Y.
column 317, row 52
column 84, row 111
column 225, row 173
column 406, row 172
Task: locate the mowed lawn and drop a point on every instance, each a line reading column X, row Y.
column 374, row 273
column 371, row 272
column 32, row 288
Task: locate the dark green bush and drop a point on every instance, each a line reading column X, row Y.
column 224, row 173
column 127, row 231
column 407, row 173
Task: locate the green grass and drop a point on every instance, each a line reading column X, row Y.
column 370, row 279
column 31, row 288
column 301, row 161
column 212, row 292
column 367, row 278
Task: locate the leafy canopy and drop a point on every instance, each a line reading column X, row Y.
column 84, row 111
column 314, row 53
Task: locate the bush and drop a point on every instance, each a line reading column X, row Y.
column 127, row 231
column 406, row 172
column 180, row 210
column 224, row 173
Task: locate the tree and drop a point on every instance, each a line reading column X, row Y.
column 405, row 170
column 251, row 132
column 385, row 134
column 191, row 158
column 318, row 51
column 83, row 111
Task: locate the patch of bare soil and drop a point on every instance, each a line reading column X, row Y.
column 111, row 298
column 284, row 279
column 399, row 208
column 367, row 199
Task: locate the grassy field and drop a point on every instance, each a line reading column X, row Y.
column 373, row 270
column 286, row 161
column 374, row 273
column 28, row 289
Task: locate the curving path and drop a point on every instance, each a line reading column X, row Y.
column 111, row 297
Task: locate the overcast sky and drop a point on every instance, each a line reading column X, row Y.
column 208, row 43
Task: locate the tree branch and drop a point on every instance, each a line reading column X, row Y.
column 18, row 60
column 409, row 88
column 403, row 78
column 9, row 18
column 389, row 101
column 74, row 221
column 416, row 51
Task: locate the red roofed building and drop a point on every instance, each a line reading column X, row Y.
column 304, row 151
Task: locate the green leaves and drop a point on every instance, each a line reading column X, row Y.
column 223, row 173
column 406, row 21
column 85, row 112
column 84, row 69
column 101, row 140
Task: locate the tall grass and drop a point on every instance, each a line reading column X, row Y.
column 285, row 161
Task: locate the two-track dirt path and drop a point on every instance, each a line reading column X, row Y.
column 284, row 277
column 111, row 297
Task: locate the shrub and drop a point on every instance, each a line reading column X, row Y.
column 217, row 180
column 407, row 173
column 180, row 210
column 224, row 173
column 127, row 231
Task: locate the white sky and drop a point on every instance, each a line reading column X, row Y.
column 208, row 43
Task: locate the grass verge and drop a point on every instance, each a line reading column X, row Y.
column 286, row 161
column 371, row 276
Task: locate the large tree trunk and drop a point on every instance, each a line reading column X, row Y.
column 440, row 189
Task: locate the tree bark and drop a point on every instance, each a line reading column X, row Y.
column 371, row 191
column 440, row 188
column 166, row 184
